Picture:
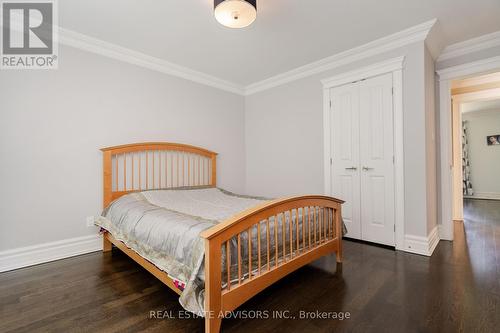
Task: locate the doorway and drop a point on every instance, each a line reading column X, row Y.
column 463, row 88
column 481, row 149
column 476, row 140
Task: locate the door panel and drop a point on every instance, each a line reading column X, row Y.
column 345, row 154
column 376, row 159
column 376, row 185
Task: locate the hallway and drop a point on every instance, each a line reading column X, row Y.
column 474, row 281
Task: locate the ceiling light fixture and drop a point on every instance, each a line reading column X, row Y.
column 235, row 13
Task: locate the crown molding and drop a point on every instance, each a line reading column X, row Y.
column 110, row 50
column 408, row 36
column 435, row 40
column 94, row 45
column 471, row 68
column 470, row 46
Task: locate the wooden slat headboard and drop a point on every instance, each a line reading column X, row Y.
column 155, row 165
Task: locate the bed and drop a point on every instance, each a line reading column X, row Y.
column 214, row 248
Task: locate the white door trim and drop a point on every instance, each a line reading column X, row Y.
column 394, row 66
column 445, row 77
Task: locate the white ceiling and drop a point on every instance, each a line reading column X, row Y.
column 287, row 33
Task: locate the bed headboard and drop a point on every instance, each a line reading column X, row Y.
column 155, row 165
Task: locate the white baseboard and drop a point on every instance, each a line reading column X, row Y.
column 422, row 245
column 38, row 254
column 484, row 195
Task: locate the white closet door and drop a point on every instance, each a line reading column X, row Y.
column 377, row 159
column 345, row 154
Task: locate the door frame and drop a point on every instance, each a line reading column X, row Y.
column 394, row 66
column 456, row 141
column 447, row 75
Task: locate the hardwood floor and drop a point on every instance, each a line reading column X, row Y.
column 457, row 289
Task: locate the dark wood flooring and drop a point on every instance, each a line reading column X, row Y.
column 456, row 290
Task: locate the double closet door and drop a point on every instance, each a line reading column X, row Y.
column 363, row 157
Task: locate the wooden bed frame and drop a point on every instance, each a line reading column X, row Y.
column 155, row 165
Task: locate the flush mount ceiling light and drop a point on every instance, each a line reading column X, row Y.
column 235, row 13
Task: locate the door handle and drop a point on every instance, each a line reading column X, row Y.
column 352, row 168
column 367, row 168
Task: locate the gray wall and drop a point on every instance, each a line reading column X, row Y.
column 52, row 124
column 484, row 159
column 284, row 136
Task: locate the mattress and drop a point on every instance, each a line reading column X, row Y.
column 163, row 226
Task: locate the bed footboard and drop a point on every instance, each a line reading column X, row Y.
column 261, row 245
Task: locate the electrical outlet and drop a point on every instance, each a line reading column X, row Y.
column 90, row 221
